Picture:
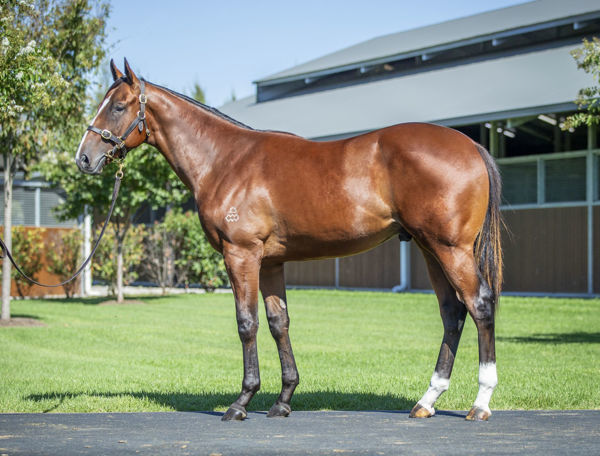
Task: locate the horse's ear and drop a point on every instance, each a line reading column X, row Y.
column 116, row 73
column 131, row 77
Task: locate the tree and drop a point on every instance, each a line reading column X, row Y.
column 159, row 255
column 46, row 50
column 588, row 99
column 106, row 265
column 197, row 93
column 148, row 181
column 233, row 96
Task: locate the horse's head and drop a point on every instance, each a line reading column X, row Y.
column 119, row 125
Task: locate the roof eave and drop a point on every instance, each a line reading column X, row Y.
column 431, row 49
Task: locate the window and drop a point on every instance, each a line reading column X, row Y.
column 23, row 206
column 49, row 199
column 565, row 180
column 519, row 183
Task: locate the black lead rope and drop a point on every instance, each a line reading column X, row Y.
column 118, row 178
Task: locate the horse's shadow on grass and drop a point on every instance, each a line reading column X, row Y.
column 97, row 300
column 578, row 337
column 208, row 402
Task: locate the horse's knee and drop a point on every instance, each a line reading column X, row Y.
column 247, row 328
column 278, row 324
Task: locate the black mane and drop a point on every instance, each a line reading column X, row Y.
column 203, row 106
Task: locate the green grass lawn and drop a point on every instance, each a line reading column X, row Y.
column 354, row 350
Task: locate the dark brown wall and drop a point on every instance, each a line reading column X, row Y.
column 320, row 273
column 419, row 277
column 547, row 251
column 596, row 246
column 377, row 268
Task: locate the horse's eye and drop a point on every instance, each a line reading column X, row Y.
column 119, row 107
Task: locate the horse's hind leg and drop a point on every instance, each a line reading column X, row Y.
column 463, row 273
column 272, row 286
column 453, row 314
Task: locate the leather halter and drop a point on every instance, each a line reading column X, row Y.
column 119, row 141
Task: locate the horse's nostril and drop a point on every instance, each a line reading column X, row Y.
column 85, row 160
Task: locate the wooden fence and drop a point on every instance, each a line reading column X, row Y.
column 44, row 276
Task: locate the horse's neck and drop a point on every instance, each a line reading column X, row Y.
column 195, row 142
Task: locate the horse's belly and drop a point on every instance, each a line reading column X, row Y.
column 326, row 244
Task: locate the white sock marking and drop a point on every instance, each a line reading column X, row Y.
column 488, row 379
column 437, row 386
column 104, row 103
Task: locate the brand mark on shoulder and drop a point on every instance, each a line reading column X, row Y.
column 232, row 215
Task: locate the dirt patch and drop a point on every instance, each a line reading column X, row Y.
column 20, row 322
column 127, row 302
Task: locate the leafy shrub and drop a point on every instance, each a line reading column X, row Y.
column 27, row 250
column 64, row 257
column 196, row 262
column 104, row 263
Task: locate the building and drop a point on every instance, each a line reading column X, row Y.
column 507, row 79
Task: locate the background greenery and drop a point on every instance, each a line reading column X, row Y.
column 355, row 350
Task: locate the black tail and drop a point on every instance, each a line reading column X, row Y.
column 488, row 245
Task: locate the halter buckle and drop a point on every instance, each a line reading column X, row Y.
column 141, row 116
column 106, row 134
column 143, row 98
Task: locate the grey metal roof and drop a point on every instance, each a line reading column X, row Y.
column 479, row 25
column 524, row 83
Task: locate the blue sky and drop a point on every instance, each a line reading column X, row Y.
column 225, row 45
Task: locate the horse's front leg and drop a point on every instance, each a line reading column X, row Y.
column 243, row 268
column 272, row 286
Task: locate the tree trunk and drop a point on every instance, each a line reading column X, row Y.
column 6, row 266
column 119, row 270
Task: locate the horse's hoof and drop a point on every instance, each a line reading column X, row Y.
column 235, row 413
column 478, row 414
column 279, row 409
column 419, row 411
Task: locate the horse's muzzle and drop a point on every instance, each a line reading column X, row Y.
column 84, row 164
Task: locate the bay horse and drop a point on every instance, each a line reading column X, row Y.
column 267, row 197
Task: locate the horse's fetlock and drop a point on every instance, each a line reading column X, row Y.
column 291, row 380
column 251, row 385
